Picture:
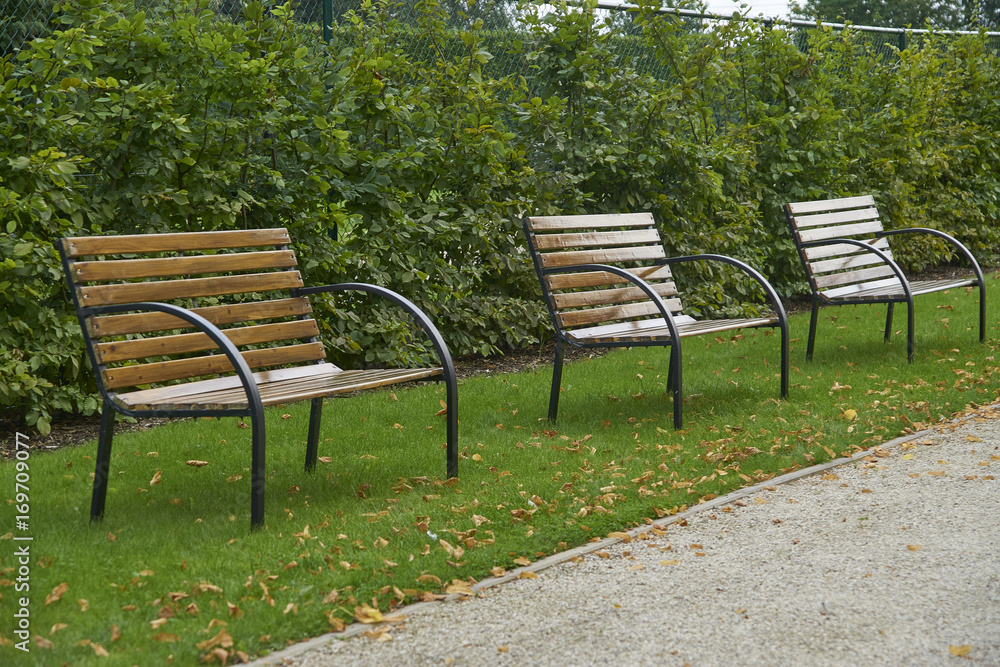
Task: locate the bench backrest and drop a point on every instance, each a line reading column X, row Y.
column 594, row 302
column 839, row 269
column 238, row 280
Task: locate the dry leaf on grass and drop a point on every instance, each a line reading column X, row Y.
column 56, row 593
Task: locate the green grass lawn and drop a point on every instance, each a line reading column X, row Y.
column 173, row 570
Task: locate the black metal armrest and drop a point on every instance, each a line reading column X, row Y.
column 948, row 237
column 197, row 321
column 879, row 253
column 447, row 366
column 772, row 294
column 425, row 323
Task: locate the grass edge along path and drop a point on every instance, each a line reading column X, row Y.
column 657, row 526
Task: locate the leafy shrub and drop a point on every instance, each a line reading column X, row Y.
column 398, row 154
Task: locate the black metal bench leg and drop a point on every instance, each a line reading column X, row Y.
column 982, row 313
column 670, row 371
column 675, row 364
column 312, row 444
column 784, row 359
column 888, row 322
column 909, row 331
column 103, row 464
column 257, row 467
column 813, row 320
column 556, row 381
column 451, row 403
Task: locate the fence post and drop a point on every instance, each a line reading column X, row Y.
column 902, row 41
column 327, row 20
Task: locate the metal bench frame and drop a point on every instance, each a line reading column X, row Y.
column 846, row 255
column 104, row 289
column 647, row 314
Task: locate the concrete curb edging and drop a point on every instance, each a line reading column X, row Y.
column 355, row 629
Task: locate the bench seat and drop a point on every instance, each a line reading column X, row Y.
column 657, row 330
column 284, row 385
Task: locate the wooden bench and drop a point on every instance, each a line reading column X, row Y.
column 607, row 283
column 848, row 260
column 138, row 298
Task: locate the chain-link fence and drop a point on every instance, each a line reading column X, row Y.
column 23, row 20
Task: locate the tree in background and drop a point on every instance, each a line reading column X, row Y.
column 951, row 15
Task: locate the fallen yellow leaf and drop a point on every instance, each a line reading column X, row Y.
column 367, row 614
column 459, row 586
column 56, row 593
column 914, row 547
column 960, row 651
column 669, row 562
column 527, row 575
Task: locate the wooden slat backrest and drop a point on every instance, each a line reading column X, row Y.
column 839, row 269
column 238, row 280
column 627, row 241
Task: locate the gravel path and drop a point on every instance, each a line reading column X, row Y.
column 893, row 559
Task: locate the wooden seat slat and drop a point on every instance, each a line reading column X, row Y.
column 319, row 384
column 250, row 311
column 561, row 281
column 583, row 240
column 845, row 262
column 158, row 267
column 885, row 287
column 633, row 328
column 803, row 208
column 227, row 382
column 622, row 333
column 602, row 256
column 895, row 289
column 838, row 217
column 837, row 249
column 196, row 342
column 171, row 290
column 829, row 280
column 177, row 369
column 564, row 222
column 574, row 318
column 84, row 246
column 843, row 231
column 602, row 297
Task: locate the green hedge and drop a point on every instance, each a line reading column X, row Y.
column 414, row 171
